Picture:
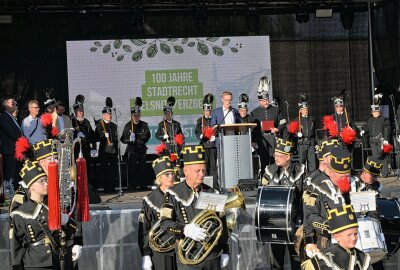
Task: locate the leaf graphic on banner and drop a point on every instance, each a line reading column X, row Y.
column 93, row 49
column 138, row 42
column 178, row 49
column 107, row 48
column 234, row 50
column 97, row 44
column 152, row 51
column 218, row 51
column 120, row 57
column 127, row 48
column 202, row 48
column 165, row 48
column 117, row 43
column 212, row 39
column 137, row 56
column 191, row 44
column 172, row 39
column 185, row 40
column 225, row 41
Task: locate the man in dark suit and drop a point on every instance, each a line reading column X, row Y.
column 225, row 114
column 10, row 131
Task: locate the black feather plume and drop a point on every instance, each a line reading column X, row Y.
column 109, row 102
column 171, row 101
column 79, row 99
column 244, row 98
column 138, row 101
column 208, row 99
column 303, row 97
column 49, row 92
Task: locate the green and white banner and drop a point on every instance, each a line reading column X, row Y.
column 155, row 69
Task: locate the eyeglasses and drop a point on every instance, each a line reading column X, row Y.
column 42, row 181
column 279, row 156
column 169, row 173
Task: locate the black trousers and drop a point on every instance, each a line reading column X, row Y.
column 211, row 165
column 277, row 256
column 136, row 165
column 11, row 168
column 213, row 264
column 109, row 166
column 265, row 150
column 376, row 150
column 163, row 262
column 307, row 154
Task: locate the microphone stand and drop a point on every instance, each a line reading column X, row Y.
column 396, row 143
column 120, row 192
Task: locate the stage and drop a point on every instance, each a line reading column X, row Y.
column 111, row 235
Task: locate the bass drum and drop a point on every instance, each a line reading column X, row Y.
column 389, row 217
column 275, row 214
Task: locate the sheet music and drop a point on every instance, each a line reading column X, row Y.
column 217, row 201
column 363, row 201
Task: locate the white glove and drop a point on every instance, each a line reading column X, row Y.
column 212, row 138
column 195, row 232
column 252, row 149
column 64, row 219
column 299, row 134
column 385, row 142
column 362, row 132
column 165, row 136
column 76, row 252
column 201, row 136
column 316, row 147
column 93, row 153
column 224, row 260
column 146, row 262
column 132, row 137
column 398, row 138
column 107, row 135
column 311, row 250
column 80, row 135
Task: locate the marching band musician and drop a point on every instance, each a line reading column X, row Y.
column 150, row 214
column 106, row 134
column 136, row 134
column 83, row 130
column 369, row 175
column 270, row 122
column 342, row 255
column 306, row 135
column 179, row 209
column 244, row 117
column 326, row 194
column 378, row 129
column 168, row 128
column 208, row 141
column 287, row 173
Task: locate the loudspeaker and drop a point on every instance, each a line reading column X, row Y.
column 94, row 197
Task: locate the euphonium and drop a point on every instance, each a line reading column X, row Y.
column 208, row 220
column 159, row 240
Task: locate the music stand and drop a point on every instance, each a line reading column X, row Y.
column 235, row 154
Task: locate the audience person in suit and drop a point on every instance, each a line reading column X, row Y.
column 10, row 131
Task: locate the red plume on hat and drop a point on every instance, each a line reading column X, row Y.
column 293, row 127
column 172, row 157
column 387, row 148
column 348, row 135
column 47, row 120
column 23, row 149
column 160, row 149
column 208, row 133
column 329, row 124
column 179, row 139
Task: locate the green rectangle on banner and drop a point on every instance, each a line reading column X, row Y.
column 171, row 76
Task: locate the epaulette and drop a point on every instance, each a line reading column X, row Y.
column 178, row 199
column 28, row 215
column 151, row 204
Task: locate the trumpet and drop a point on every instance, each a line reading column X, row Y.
column 208, row 220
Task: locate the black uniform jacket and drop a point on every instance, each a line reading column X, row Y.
column 270, row 113
column 89, row 141
column 179, row 210
column 378, row 127
column 148, row 216
column 337, row 257
column 142, row 136
column 307, row 130
column 111, row 129
column 203, row 123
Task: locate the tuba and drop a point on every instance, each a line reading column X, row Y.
column 159, row 240
column 208, row 220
